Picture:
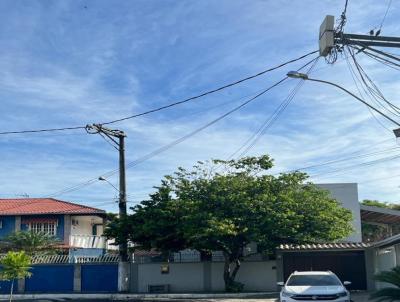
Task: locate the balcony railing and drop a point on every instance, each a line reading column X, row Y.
column 88, row 241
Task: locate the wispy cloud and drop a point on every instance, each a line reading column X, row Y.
column 72, row 64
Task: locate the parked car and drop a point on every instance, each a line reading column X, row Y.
column 314, row 286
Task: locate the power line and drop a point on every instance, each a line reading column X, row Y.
column 384, row 17
column 372, row 88
column 327, row 163
column 378, row 58
column 168, row 146
column 272, row 118
column 210, row 91
column 364, row 164
column 169, row 105
column 42, row 130
column 355, row 78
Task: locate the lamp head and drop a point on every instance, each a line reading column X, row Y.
column 297, row 75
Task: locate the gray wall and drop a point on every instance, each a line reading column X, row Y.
column 182, row 277
column 347, row 195
column 203, row 276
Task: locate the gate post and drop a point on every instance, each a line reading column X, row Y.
column 77, row 277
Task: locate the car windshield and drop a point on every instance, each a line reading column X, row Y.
column 312, row 280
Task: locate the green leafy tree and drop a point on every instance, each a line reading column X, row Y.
column 208, row 210
column 388, row 293
column 15, row 265
column 31, row 243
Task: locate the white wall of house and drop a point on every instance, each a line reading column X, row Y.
column 84, row 225
column 347, row 195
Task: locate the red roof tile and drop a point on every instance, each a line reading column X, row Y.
column 35, row 206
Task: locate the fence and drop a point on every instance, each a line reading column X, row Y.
column 96, row 276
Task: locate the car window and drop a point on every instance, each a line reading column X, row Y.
column 313, row 280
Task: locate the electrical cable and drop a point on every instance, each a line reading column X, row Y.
column 210, row 91
column 355, row 78
column 272, row 118
column 384, row 17
column 168, row 146
column 172, row 144
column 372, row 88
column 383, row 60
column 364, row 164
column 171, row 104
column 327, row 163
column 42, row 130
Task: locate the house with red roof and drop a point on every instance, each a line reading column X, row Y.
column 78, row 227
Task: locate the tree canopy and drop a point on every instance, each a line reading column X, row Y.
column 14, row 266
column 225, row 205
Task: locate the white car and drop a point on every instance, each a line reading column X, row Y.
column 314, row 286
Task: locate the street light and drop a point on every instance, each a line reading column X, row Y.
column 104, row 179
column 303, row 76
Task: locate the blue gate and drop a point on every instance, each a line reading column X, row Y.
column 55, row 278
column 5, row 287
column 99, row 278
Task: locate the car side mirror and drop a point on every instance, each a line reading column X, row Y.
column 345, row 283
column 280, row 283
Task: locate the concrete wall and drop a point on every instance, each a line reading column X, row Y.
column 203, row 276
column 347, row 195
column 379, row 260
column 182, row 277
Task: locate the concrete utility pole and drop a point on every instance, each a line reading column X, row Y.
column 111, row 134
column 331, row 39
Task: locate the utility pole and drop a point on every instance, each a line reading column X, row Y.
column 331, row 39
column 117, row 139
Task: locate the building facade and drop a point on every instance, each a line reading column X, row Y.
column 76, row 226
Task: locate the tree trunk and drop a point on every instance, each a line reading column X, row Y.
column 11, row 291
column 230, row 275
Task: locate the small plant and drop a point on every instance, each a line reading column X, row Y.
column 15, row 265
column 391, row 293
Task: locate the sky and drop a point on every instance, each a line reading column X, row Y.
column 73, row 63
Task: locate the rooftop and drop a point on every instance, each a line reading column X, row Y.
column 379, row 215
column 42, row 206
column 324, row 246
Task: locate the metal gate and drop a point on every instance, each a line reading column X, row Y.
column 348, row 266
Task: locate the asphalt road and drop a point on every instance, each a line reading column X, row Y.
column 356, row 297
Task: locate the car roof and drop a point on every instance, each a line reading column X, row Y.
column 313, row 273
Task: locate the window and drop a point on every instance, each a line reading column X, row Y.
column 313, row 280
column 48, row 228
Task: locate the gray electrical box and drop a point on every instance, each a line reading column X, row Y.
column 326, row 35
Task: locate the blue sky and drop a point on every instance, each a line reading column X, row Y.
column 70, row 63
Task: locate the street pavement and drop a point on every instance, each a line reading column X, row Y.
column 356, row 297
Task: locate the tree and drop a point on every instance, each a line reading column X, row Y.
column 15, row 265
column 388, row 293
column 31, row 243
column 206, row 210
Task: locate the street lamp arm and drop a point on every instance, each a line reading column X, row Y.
column 104, row 179
column 357, row 98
